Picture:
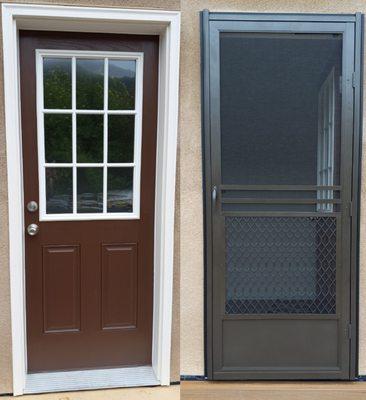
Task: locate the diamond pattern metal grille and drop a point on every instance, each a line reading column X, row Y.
column 280, row 265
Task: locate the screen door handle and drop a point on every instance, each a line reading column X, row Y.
column 214, row 194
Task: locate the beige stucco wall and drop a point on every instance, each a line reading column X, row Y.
column 191, row 236
column 189, row 217
column 5, row 326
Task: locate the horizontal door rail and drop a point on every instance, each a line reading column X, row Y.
column 311, row 188
column 300, row 316
column 279, row 214
column 238, row 200
column 287, row 17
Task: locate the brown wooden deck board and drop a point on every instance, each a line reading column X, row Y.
column 273, row 391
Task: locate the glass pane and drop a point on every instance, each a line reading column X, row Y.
column 121, row 84
column 121, row 138
column 280, row 108
column 120, row 183
column 89, row 84
column 89, row 190
column 57, row 83
column 58, row 190
column 58, row 138
column 280, row 265
column 89, row 130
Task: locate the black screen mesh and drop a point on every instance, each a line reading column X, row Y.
column 280, row 265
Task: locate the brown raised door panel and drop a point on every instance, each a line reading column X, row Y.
column 89, row 283
column 119, row 284
column 61, row 288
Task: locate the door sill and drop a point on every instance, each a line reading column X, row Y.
column 90, row 379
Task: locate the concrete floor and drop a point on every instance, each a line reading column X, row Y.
column 273, row 391
column 154, row 393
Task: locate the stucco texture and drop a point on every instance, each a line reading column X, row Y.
column 191, row 221
column 189, row 211
column 5, row 321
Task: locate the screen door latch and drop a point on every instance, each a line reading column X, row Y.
column 214, row 194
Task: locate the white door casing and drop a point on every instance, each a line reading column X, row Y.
column 166, row 24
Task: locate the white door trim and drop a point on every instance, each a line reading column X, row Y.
column 166, row 24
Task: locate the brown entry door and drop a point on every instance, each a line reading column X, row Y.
column 89, row 106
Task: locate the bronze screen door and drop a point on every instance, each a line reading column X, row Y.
column 281, row 169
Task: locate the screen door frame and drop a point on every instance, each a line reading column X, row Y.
column 212, row 23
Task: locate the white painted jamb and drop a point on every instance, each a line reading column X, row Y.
column 166, row 24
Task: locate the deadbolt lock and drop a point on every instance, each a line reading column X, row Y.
column 32, row 206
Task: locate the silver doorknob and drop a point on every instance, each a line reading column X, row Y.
column 32, row 206
column 32, row 229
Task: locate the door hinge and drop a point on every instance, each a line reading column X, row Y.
column 354, row 79
column 350, row 209
column 349, row 331
column 340, row 84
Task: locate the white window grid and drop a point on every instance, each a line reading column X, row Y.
column 137, row 112
column 326, row 141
